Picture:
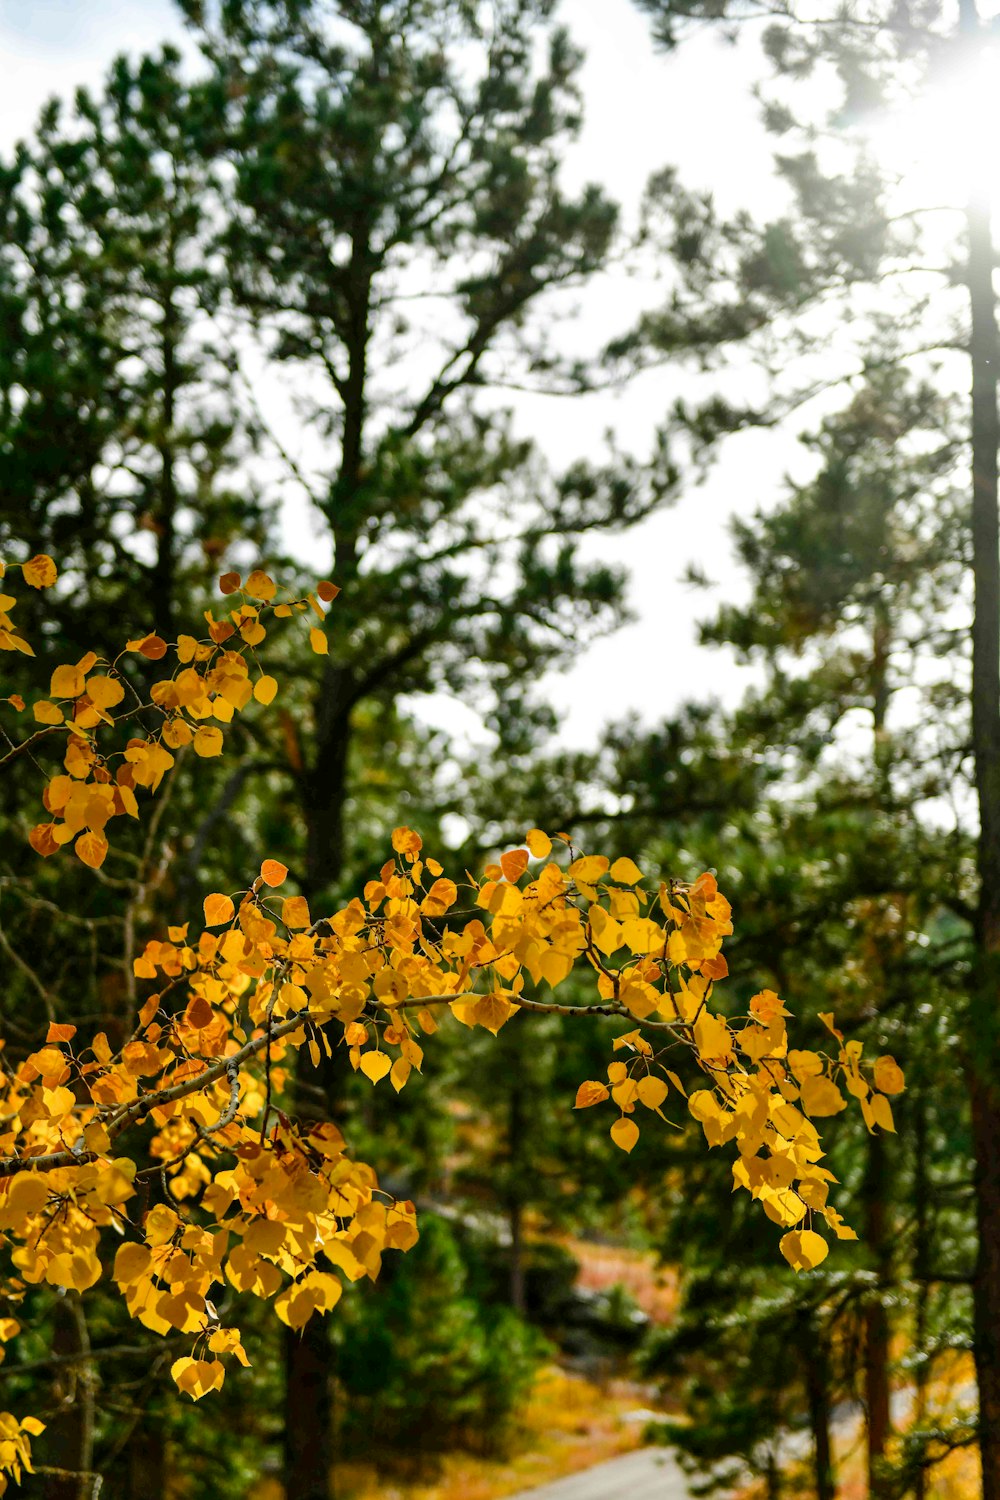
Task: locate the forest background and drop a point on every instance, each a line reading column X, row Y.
column 365, row 307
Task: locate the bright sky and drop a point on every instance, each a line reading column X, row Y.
column 643, row 110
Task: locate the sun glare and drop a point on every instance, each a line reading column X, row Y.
column 944, row 145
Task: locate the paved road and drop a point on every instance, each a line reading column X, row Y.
column 646, row 1474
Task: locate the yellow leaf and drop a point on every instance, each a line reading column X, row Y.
column 207, row 741
column 803, row 1249
column 889, row 1077
column 626, row 871
column 39, row 571
column 882, row 1112
column 375, row 1065
column 493, row 1011
column 318, row 641
column 92, row 849
column 47, row 713
column 131, row 1263
column 295, row 912
column 652, row 1091
column 625, row 1133
column 588, row 869
column 161, row 1224
column 66, row 682
column 538, row 843
column 821, row 1097
column 605, row 931
column 711, row 1036
column 643, row 935
column 260, row 586
column 105, row 692
column 196, row 1377
column 265, row 689
column 28, row 1192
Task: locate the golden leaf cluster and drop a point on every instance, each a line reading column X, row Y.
column 211, row 680
column 179, row 1148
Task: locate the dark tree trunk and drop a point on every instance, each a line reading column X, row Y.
column 164, row 521
column 921, row 1265
column 983, row 1041
column 68, row 1444
column 516, row 1126
column 146, row 1475
column 817, row 1377
column 310, row 1417
column 309, row 1446
column 876, row 1319
column 325, row 785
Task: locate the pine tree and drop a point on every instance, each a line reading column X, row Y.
column 396, row 231
column 838, row 243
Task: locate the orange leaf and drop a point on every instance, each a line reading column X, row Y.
column 229, row 583
column 218, row 909
column 92, row 848
column 199, row 1013
column 327, row 591
column 152, row 647
column 590, row 1093
column 273, row 872
column 41, row 839
column 513, row 864
column 59, row 1032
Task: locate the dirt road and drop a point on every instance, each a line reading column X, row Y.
column 646, row 1474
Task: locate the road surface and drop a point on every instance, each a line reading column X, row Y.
column 646, row 1474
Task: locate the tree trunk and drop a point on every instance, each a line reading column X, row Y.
column 876, row 1319
column 68, row 1444
column 875, row 1187
column 817, row 1377
column 309, row 1443
column 163, row 581
column 921, row 1265
column 146, row 1475
column 309, row 1446
column 325, row 785
column 982, row 1058
column 310, row 1418
column 516, row 1126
